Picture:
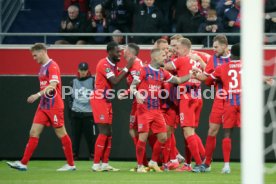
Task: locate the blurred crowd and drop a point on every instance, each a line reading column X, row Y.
column 152, row 16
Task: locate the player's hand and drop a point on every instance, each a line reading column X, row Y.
column 194, row 57
column 130, row 62
column 269, row 81
column 139, row 98
column 32, row 98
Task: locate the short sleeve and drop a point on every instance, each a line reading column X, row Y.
column 106, row 70
column 217, row 73
column 140, row 75
column 167, row 76
column 53, row 73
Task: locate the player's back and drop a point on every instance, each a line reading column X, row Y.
column 231, row 77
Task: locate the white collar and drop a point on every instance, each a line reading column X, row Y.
column 47, row 63
column 112, row 64
column 153, row 68
column 228, row 56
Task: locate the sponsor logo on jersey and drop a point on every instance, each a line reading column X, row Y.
column 101, row 117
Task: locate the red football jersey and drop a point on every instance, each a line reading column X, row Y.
column 104, row 70
column 134, row 70
column 230, row 76
column 48, row 73
column 151, row 81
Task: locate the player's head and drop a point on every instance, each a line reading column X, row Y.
column 236, row 51
column 132, row 49
column 163, row 45
column 39, row 53
column 220, row 44
column 83, row 69
column 158, row 57
column 173, row 42
column 183, row 47
column 114, row 51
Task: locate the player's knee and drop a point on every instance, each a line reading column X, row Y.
column 213, row 130
column 162, row 138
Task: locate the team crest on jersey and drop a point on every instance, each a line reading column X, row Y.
column 101, row 117
column 150, row 76
column 140, row 126
column 138, row 73
column 107, row 70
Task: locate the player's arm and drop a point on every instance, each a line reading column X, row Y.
column 47, row 90
column 135, row 92
column 180, row 80
column 115, row 80
column 169, row 66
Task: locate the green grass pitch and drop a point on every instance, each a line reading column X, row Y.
column 44, row 172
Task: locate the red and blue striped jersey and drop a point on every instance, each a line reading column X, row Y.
column 48, row 73
column 212, row 64
column 151, row 83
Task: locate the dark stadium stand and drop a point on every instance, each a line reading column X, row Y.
column 38, row 17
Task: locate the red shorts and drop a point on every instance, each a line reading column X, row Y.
column 171, row 116
column 216, row 115
column 151, row 120
column 189, row 112
column 231, row 116
column 102, row 111
column 53, row 117
column 133, row 116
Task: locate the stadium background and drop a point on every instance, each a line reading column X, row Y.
column 18, row 79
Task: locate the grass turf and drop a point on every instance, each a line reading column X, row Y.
column 44, row 172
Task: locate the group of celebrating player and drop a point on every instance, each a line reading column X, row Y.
column 167, row 93
column 153, row 118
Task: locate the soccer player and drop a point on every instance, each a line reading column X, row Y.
column 50, row 111
column 131, row 51
column 169, row 107
column 149, row 114
column 187, row 59
column 106, row 77
column 230, row 76
column 221, row 56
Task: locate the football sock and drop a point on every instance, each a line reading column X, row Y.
column 67, row 149
column 188, row 155
column 106, row 152
column 140, row 151
column 173, row 148
column 157, row 149
column 99, row 148
column 192, row 145
column 200, row 146
column 209, row 148
column 226, row 149
column 166, row 151
column 30, row 148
